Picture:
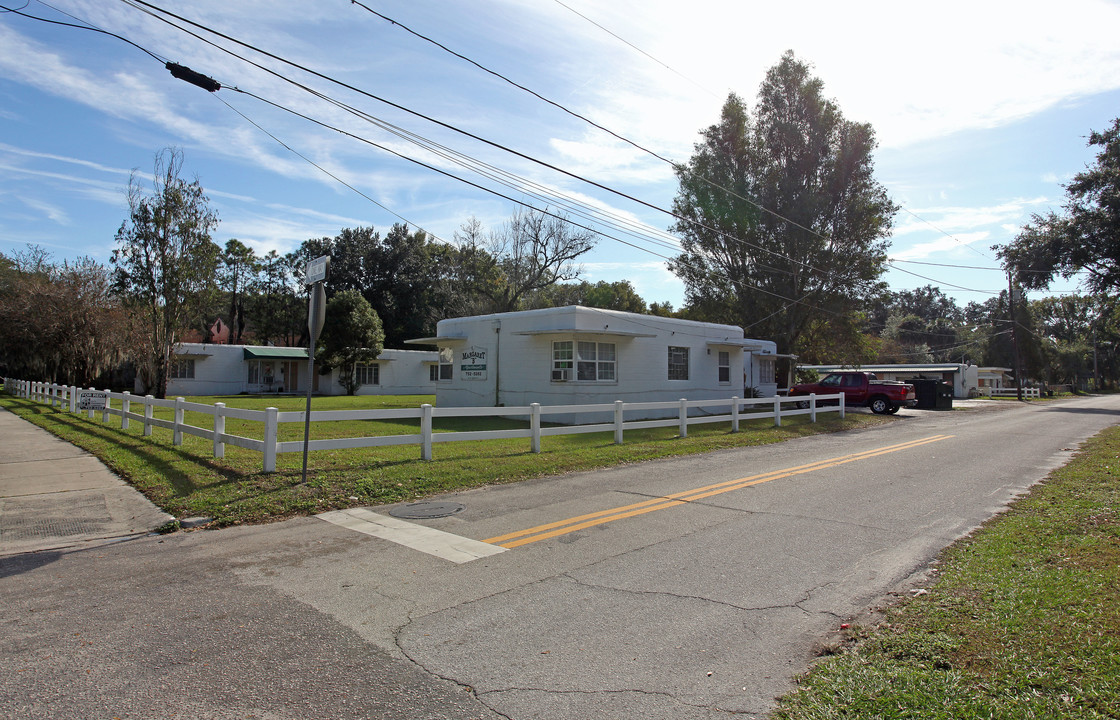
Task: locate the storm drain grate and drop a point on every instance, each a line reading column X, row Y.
column 426, row 510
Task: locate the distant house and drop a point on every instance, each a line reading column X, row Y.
column 963, row 377
column 208, row 369
column 992, row 378
column 578, row 355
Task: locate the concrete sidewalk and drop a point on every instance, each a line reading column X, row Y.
column 54, row 494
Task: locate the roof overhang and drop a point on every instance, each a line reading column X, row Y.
column 585, row 331
column 744, row 343
column 265, row 352
column 437, row 340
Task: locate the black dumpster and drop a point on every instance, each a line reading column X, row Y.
column 932, row 394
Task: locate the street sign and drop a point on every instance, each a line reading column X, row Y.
column 92, row 399
column 317, row 270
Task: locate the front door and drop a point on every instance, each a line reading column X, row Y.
column 291, row 375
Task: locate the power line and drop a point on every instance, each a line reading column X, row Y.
column 635, row 47
column 791, row 301
column 677, row 166
column 153, row 10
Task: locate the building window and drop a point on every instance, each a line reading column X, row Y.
column 261, row 372
column 563, row 360
column 724, row 366
column 441, row 371
column 583, row 360
column 678, row 363
column 181, row 369
column 367, row 373
column 595, row 361
column 766, row 371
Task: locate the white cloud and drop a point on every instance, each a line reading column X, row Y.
column 943, row 245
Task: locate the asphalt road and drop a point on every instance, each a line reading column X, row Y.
column 616, row 604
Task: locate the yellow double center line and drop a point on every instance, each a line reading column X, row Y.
column 562, row 527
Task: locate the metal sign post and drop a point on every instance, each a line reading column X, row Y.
column 317, row 271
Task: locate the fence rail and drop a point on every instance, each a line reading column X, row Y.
column 686, row 413
column 1028, row 392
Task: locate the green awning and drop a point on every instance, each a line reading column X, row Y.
column 275, row 353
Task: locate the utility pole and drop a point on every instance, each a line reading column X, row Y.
column 1015, row 338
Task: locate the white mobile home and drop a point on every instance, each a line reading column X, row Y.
column 578, row 355
column 209, row 369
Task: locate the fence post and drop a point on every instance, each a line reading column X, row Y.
column 535, row 426
column 425, row 432
column 177, row 422
column 619, row 411
column 841, row 406
column 735, row 414
column 684, row 418
column 148, row 415
column 89, row 413
column 219, row 429
column 813, row 407
column 777, row 411
column 108, row 406
column 270, row 425
column 74, row 399
column 126, row 406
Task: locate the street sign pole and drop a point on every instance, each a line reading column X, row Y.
column 316, row 275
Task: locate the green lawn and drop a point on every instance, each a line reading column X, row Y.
column 1024, row 621
column 187, row 481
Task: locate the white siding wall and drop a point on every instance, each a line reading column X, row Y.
column 401, row 372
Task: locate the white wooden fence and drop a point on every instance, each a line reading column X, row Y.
column 1028, row 392
column 124, row 405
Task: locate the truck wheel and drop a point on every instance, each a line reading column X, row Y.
column 879, row 405
column 802, row 404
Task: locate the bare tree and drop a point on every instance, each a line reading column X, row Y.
column 531, row 251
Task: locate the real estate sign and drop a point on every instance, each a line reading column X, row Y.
column 92, row 399
column 472, row 364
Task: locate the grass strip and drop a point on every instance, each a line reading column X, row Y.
column 1023, row 622
column 187, row 481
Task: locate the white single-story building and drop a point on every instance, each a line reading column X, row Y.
column 578, row 355
column 992, row 378
column 209, row 369
column 963, row 378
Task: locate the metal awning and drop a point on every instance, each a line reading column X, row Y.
column 265, row 352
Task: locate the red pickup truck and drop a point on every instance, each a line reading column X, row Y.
column 861, row 388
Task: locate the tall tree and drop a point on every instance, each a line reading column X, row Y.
column 165, row 259
column 1086, row 237
column 784, row 225
column 531, row 251
column 238, row 274
column 279, row 313
column 351, row 334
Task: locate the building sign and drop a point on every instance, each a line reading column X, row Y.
column 92, row 399
column 472, row 364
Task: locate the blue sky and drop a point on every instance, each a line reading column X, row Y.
column 982, row 111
